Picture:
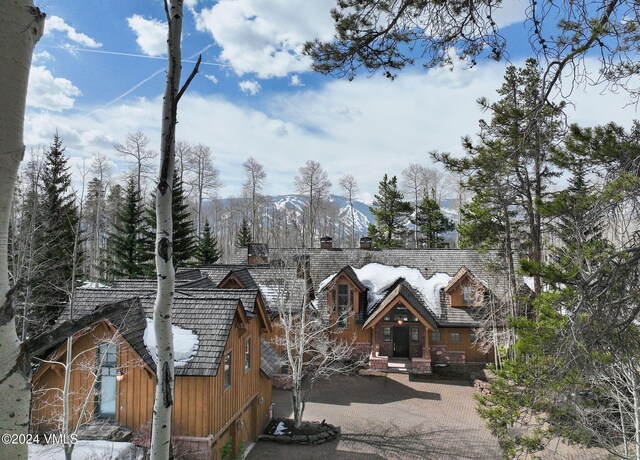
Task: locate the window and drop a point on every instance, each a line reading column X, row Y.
column 467, row 295
column 435, row 337
column 343, row 305
column 413, row 319
column 247, row 354
column 401, row 314
column 415, row 337
column 387, row 317
column 472, row 336
column 227, row 370
column 106, row 355
column 455, row 337
column 386, row 334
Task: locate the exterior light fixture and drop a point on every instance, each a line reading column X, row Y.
column 400, row 322
column 119, row 376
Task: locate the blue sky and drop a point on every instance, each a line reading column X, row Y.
column 98, row 73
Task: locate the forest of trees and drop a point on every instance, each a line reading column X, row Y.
column 559, row 202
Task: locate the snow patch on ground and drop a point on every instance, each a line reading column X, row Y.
column 378, row 277
column 84, row 450
column 185, row 343
column 280, row 429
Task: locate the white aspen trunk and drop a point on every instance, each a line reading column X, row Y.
column 21, row 26
column 163, row 405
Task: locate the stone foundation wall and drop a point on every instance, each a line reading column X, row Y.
column 378, row 362
column 440, row 355
column 282, row 382
column 421, row 365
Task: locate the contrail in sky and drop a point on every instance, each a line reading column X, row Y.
column 145, row 56
column 150, row 77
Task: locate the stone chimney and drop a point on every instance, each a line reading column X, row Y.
column 366, row 243
column 258, row 254
column 326, row 242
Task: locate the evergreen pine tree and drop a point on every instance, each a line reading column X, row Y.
column 207, row 252
column 55, row 236
column 391, row 214
column 125, row 240
column 243, row 237
column 431, row 222
column 184, row 241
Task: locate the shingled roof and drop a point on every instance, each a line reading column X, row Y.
column 400, row 288
column 269, row 359
column 324, row 263
column 209, row 313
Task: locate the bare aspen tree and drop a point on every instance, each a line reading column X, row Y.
column 163, row 405
column 205, row 177
column 101, row 168
column 21, row 26
column 307, row 338
column 183, row 151
column 135, row 146
column 349, row 184
column 414, row 183
column 251, row 188
column 313, row 182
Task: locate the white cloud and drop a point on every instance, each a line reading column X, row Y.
column 510, row 12
column 151, row 35
column 55, row 23
column 266, row 36
column 367, row 127
column 50, row 93
column 249, row 86
column 212, row 78
column 295, row 81
column 42, row 56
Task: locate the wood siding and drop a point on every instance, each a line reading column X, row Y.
column 202, row 406
column 354, row 328
column 472, row 354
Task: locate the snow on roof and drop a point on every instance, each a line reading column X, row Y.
column 378, row 277
column 326, row 281
column 185, row 343
column 269, row 293
column 93, row 284
column 528, row 280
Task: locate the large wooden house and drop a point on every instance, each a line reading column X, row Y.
column 222, row 385
column 423, row 306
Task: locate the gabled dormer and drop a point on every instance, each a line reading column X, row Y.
column 345, row 294
column 239, row 278
column 464, row 289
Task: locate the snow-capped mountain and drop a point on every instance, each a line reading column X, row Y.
column 362, row 215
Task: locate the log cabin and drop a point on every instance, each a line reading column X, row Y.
column 224, row 366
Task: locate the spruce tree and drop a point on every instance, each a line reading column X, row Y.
column 207, row 252
column 391, row 214
column 58, row 215
column 184, row 241
column 431, row 222
column 125, row 240
column 243, row 237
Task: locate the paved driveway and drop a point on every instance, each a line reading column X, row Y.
column 393, row 417
column 397, row 416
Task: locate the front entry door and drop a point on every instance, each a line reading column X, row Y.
column 400, row 342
